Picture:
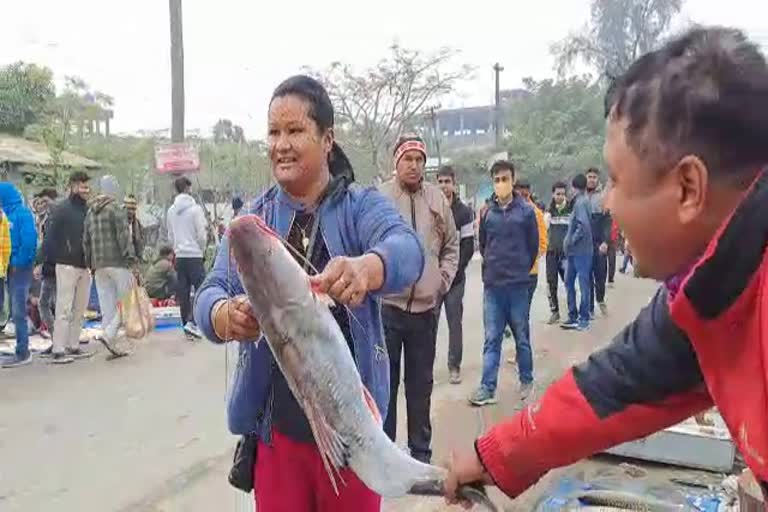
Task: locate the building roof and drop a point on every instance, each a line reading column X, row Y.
column 26, row 152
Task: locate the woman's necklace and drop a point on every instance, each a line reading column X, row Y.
column 303, row 229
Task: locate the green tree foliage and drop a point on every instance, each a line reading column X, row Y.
column 25, row 91
column 619, row 31
column 557, row 130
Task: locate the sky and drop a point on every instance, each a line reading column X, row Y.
column 238, row 51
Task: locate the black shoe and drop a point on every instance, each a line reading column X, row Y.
column 61, row 358
column 570, row 325
column 78, row 353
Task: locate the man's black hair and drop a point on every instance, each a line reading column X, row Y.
column 182, row 185
column 502, row 165
column 524, row 184
column 321, row 112
column 704, row 93
column 447, row 171
column 50, row 193
column 559, row 184
column 237, row 203
column 165, row 251
column 579, row 182
column 592, row 170
column 79, row 177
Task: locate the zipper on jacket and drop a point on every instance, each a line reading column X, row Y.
column 413, row 224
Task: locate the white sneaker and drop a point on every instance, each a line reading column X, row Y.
column 192, row 331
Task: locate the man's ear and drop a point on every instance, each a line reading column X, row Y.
column 691, row 178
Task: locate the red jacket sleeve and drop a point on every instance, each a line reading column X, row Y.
column 647, row 379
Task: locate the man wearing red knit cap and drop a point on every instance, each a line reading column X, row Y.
column 410, row 321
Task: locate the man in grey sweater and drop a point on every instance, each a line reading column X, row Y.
column 188, row 235
column 578, row 252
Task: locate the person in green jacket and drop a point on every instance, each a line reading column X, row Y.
column 160, row 281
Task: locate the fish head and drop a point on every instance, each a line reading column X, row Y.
column 270, row 275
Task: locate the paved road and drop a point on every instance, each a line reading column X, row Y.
column 148, row 433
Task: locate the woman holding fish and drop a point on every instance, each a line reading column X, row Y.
column 356, row 247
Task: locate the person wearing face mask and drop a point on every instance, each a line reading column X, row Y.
column 509, row 244
column 410, row 320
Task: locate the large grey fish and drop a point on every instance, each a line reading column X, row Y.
column 314, row 357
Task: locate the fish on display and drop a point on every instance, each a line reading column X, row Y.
column 626, row 501
column 313, row 355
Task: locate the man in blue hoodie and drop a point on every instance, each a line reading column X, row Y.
column 23, row 253
column 578, row 252
column 509, row 244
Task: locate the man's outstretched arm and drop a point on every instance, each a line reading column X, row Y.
column 647, row 379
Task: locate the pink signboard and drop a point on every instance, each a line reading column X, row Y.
column 176, row 158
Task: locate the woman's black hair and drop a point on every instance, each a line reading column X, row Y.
column 321, row 112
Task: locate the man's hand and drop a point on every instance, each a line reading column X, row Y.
column 464, row 468
column 603, row 248
column 233, row 319
column 348, row 280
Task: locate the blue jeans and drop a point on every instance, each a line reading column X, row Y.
column 502, row 306
column 579, row 265
column 20, row 279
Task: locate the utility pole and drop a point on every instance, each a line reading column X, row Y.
column 177, row 72
column 436, row 135
column 497, row 68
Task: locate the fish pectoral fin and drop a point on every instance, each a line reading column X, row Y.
column 333, row 450
column 371, row 403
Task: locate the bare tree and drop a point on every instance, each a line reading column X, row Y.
column 619, row 31
column 374, row 106
column 177, row 72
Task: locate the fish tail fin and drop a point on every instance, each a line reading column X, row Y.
column 473, row 493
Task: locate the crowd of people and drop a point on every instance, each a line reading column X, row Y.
column 687, row 152
column 54, row 254
column 316, row 192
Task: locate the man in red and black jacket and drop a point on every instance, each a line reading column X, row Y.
column 687, row 149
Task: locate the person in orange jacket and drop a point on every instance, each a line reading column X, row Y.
column 687, row 149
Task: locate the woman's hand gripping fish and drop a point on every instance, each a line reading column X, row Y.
column 313, row 355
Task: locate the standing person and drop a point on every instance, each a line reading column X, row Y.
column 362, row 248
column 613, row 244
column 188, row 234
column 237, row 207
column 410, row 322
column 601, row 234
column 44, row 201
column 509, row 244
column 579, row 250
column 63, row 247
column 136, row 230
column 454, row 299
column 687, row 148
column 109, row 250
column 22, row 263
column 558, row 217
column 5, row 259
column 524, row 189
